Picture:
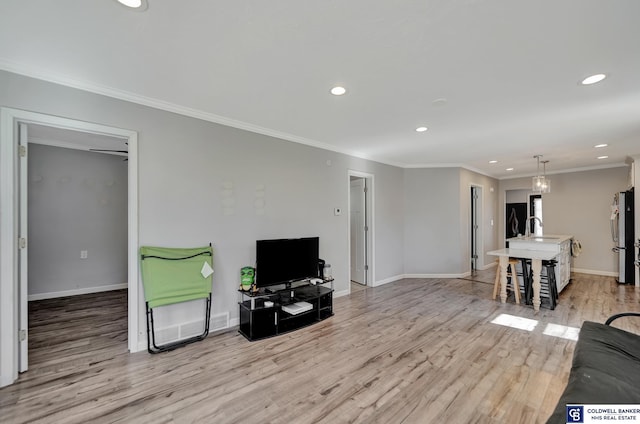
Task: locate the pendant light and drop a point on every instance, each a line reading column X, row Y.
column 546, row 186
column 540, row 183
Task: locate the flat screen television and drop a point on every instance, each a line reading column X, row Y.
column 282, row 261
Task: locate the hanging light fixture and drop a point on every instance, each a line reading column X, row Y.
column 546, row 186
column 540, row 183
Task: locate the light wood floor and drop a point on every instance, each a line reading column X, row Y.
column 413, row 351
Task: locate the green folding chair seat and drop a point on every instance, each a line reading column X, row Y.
column 175, row 275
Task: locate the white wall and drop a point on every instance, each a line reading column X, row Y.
column 579, row 205
column 518, row 196
column 77, row 201
column 201, row 182
column 432, row 221
column 437, row 220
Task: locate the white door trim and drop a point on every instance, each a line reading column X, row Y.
column 370, row 222
column 23, row 231
column 9, row 119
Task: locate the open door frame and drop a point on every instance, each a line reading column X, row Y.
column 369, row 222
column 9, row 234
column 476, row 237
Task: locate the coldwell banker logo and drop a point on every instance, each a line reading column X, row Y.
column 575, row 414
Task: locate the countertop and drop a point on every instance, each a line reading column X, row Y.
column 545, row 238
column 544, row 255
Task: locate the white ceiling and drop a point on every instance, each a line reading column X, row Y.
column 509, row 71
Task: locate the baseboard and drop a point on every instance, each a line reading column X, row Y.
column 402, row 276
column 595, row 272
column 75, row 292
column 388, row 280
column 462, row 275
column 491, row 265
column 341, row 293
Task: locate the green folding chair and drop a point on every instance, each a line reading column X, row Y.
column 174, row 275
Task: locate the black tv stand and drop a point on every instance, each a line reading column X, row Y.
column 260, row 319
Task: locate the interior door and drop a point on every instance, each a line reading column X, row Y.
column 22, row 248
column 358, row 233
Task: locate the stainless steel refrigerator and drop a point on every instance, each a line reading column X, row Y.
column 622, row 232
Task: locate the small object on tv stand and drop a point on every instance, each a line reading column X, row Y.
column 247, row 277
column 321, row 264
column 327, row 275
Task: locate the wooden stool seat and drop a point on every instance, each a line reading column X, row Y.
column 511, row 274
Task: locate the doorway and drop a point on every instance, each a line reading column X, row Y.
column 360, row 229
column 13, row 264
column 535, row 209
column 475, row 240
column 77, row 243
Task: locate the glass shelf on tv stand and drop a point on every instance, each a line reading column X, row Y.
column 255, row 299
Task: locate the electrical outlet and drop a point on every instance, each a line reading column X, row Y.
column 83, row 254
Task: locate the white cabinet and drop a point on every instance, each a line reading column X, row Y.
column 563, row 269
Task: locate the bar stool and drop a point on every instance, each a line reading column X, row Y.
column 550, row 279
column 547, row 281
column 511, row 276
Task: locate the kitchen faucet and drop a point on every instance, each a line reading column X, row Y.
column 527, row 230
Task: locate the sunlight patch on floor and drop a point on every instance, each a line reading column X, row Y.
column 563, row 331
column 555, row 330
column 515, row 322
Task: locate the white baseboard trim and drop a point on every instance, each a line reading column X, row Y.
column 234, row 322
column 402, row 276
column 462, row 275
column 341, row 293
column 388, row 280
column 595, row 272
column 75, row 292
column 491, row 265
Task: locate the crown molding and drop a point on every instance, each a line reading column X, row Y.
column 570, row 170
column 115, row 93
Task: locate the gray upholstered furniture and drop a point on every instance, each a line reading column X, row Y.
column 605, row 369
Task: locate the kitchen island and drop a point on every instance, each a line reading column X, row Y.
column 560, row 244
column 537, row 249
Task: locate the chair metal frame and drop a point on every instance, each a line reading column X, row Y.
column 152, row 346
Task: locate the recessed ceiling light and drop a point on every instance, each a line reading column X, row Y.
column 598, row 146
column 509, row 169
column 593, row 79
column 439, row 102
column 603, row 157
column 421, row 129
column 134, row 4
column 338, row 91
column 493, row 161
